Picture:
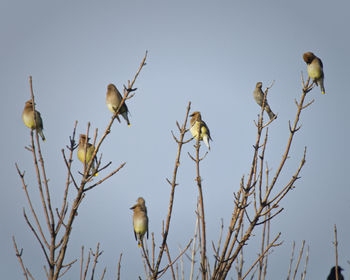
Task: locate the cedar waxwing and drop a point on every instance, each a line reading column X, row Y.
column 315, row 69
column 28, row 118
column 84, row 145
column 140, row 220
column 197, row 123
column 332, row 276
column 113, row 100
column 259, row 98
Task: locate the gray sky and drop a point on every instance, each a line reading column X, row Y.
column 211, row 53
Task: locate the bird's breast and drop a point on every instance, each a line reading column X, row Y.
column 194, row 129
column 314, row 71
column 28, row 120
column 140, row 225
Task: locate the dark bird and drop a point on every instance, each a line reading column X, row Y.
column 331, row 275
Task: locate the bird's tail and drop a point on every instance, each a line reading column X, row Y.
column 323, row 91
column 269, row 112
column 42, row 135
column 94, row 167
column 271, row 115
column 94, row 171
column 206, row 141
column 125, row 116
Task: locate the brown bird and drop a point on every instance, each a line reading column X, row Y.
column 28, row 118
column 259, row 98
column 315, row 69
column 197, row 123
column 113, row 100
column 332, row 275
column 140, row 220
column 85, row 146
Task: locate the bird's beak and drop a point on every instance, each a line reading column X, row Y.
column 192, row 115
column 132, row 208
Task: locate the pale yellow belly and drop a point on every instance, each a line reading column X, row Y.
column 314, row 72
column 28, row 121
column 140, row 226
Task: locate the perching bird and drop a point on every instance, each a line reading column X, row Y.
column 315, row 69
column 259, row 98
column 113, row 100
column 140, row 220
column 197, row 123
column 332, row 276
column 28, row 118
column 84, row 145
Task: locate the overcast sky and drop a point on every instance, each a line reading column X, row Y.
column 211, row 53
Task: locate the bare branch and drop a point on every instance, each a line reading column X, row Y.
column 19, row 257
column 31, row 207
column 172, row 194
column 118, row 268
column 37, row 236
column 170, row 263
column 105, row 178
column 174, row 261
column 336, row 252
column 291, row 261
column 300, row 255
column 272, row 244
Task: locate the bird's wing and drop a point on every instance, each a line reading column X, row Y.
column 147, row 227
column 320, row 62
column 208, row 131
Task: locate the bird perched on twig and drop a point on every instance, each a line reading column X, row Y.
column 140, row 220
column 259, row 98
column 85, row 146
column 113, row 100
column 197, row 124
column 315, row 69
column 332, row 276
column 28, row 118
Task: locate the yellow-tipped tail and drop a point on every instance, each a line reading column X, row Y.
column 129, row 125
column 323, row 92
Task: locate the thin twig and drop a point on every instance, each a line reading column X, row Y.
column 300, row 255
column 172, row 194
column 272, row 244
column 194, row 243
column 118, row 267
column 336, row 252
column 19, row 257
column 169, row 259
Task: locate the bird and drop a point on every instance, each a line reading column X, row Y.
column 28, row 119
column 259, row 98
column 140, row 220
column 197, row 124
column 315, row 69
column 332, row 276
column 113, row 99
column 85, row 146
